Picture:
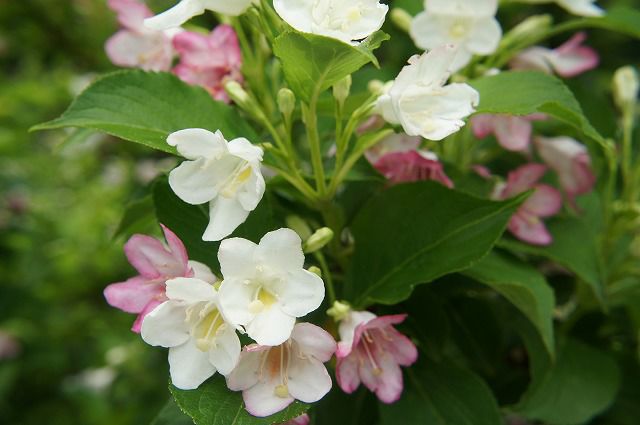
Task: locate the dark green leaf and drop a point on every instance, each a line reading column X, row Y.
column 524, row 286
column 313, row 63
column 414, row 233
column 172, row 415
column 214, row 404
column 136, row 216
column 625, row 20
column 145, row 107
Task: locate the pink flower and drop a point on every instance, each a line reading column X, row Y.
column 512, row 132
column 412, row 166
column 209, row 60
column 270, row 378
column 371, row 351
column 526, row 223
column 570, row 160
column 568, row 60
column 398, row 142
column 300, row 420
column 136, row 46
column 156, row 264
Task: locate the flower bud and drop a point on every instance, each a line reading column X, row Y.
column 341, row 89
column 286, row 102
column 315, row 270
column 237, row 93
column 401, row 18
column 318, row 240
column 376, row 87
column 339, row 310
column 625, row 88
column 298, row 225
column 530, row 27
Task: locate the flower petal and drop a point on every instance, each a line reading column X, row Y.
column 236, row 257
column 281, row 249
column 401, row 348
column 133, row 295
column 529, row 228
column 226, row 353
column 225, row 215
column 523, row 178
column 165, row 326
column 137, row 324
column 194, row 181
column 176, row 247
column 150, row 257
column 314, row 341
column 262, row 401
column 309, row 380
column 484, row 36
column 271, row 327
column 513, row 133
column 131, row 13
column 544, row 202
column 189, row 367
column 301, row 293
column 190, row 289
column 347, row 373
column 234, row 297
column 194, row 143
column 176, row 16
column 202, row 271
column 245, row 374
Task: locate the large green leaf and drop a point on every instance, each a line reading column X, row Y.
column 442, row 394
column 526, row 92
column 524, row 286
column 214, row 404
column 414, row 233
column 625, row 20
column 574, row 247
column 582, row 383
column 172, row 415
column 145, row 107
column 313, row 63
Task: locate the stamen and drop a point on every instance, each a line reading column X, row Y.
column 366, row 341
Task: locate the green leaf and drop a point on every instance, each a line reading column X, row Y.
column 414, row 233
column 582, row 383
column 442, row 394
column 146, row 107
column 136, row 216
column 526, row 92
column 524, row 286
column 625, row 20
column 172, row 415
column 313, row 63
column 214, row 404
column 580, row 255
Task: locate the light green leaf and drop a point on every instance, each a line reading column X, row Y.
column 172, row 415
column 524, row 286
column 214, row 404
column 526, row 92
column 414, row 233
column 442, row 394
column 146, row 107
column 313, row 63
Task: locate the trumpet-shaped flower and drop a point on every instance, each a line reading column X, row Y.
column 345, row 20
column 420, row 101
column 156, row 264
column 209, row 60
column 512, row 132
column 371, row 351
column 136, row 46
column 526, row 224
column 191, row 324
column 571, row 162
column 225, row 174
column 270, row 378
column 469, row 24
column 568, row 60
column 412, row 166
column 265, row 287
column 187, row 9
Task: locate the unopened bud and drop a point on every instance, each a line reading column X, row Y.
column 286, row 102
column 531, row 27
column 315, row 270
column 298, row 225
column 625, row 88
column 237, row 93
column 401, row 18
column 318, row 240
column 341, row 89
column 376, row 87
column 339, row 310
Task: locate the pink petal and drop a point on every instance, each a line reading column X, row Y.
column 219, row 49
column 211, row 79
column 347, row 373
column 134, row 294
column 581, row 179
column 300, row 420
column 177, row 248
column 482, row 171
column 482, row 125
column 405, row 167
column 571, row 58
column 152, row 260
column 513, row 133
column 386, row 381
column 261, row 400
column 151, row 52
column 523, row 178
column 137, row 324
column 529, row 228
column 401, row 348
column 224, row 37
column 131, row 14
column 544, row 202
column 314, row 341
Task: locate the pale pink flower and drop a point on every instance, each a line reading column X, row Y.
column 271, row 378
column 371, row 351
column 397, row 142
column 526, row 224
column 209, row 60
column 412, row 166
column 136, row 46
column 568, row 60
column 570, row 160
column 156, row 264
column 512, row 132
column 300, row 420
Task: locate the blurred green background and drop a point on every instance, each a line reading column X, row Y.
column 66, row 357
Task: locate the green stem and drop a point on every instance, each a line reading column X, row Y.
column 311, row 120
column 627, row 157
column 326, row 274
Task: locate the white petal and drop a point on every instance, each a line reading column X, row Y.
column 226, row 353
column 188, row 366
column 271, row 327
column 281, row 249
column 314, row 341
column 296, row 13
column 251, row 193
column 234, row 298
column 243, row 148
column 236, row 257
column 347, row 329
column 245, row 374
column 429, row 31
column 484, row 36
column 190, row 289
column 193, row 181
column 225, row 215
column 228, row 7
column 165, row 326
column 202, row 271
column 581, row 7
column 261, row 399
column 385, row 108
column 176, row 16
column 194, row 143
column 301, row 293
column 309, row 380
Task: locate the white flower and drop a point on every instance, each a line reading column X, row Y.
column 187, row 9
column 577, row 7
column 225, row 174
column 192, row 326
column 469, row 24
column 346, row 20
column 265, row 286
column 270, row 378
column 420, row 101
